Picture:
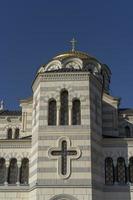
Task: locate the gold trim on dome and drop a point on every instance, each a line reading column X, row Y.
column 79, row 54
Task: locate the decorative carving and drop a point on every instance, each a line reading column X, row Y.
column 64, row 154
column 73, row 65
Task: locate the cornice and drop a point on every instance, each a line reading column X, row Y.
column 5, row 144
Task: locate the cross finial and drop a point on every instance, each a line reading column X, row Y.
column 73, row 41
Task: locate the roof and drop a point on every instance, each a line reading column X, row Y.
column 126, row 110
column 82, row 62
column 68, row 54
column 10, row 113
column 27, row 100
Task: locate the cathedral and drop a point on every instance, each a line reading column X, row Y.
column 70, row 140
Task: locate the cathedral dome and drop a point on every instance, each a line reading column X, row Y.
column 78, row 54
column 77, row 61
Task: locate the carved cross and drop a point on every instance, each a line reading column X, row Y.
column 64, row 154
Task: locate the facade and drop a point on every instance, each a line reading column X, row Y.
column 71, row 140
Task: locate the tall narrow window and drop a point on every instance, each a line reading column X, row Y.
column 127, row 131
column 13, row 171
column 109, row 171
column 16, row 133
column 24, row 171
column 130, row 170
column 76, row 112
column 52, row 112
column 64, row 108
column 2, row 170
column 9, row 133
column 121, row 171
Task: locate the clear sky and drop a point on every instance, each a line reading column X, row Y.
column 33, row 31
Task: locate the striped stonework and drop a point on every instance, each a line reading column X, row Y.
column 67, row 141
column 43, row 170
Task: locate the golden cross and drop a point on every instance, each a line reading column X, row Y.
column 73, row 41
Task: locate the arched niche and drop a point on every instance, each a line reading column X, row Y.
column 63, row 197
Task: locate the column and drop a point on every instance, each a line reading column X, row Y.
column 18, row 176
column 13, row 132
column 25, row 121
column 22, row 121
column 58, row 114
column 6, row 173
column 70, row 115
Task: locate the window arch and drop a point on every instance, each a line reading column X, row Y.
column 24, row 171
column 130, row 168
column 109, row 171
column 121, row 171
column 16, row 133
column 9, row 133
column 127, row 131
column 64, row 107
column 52, row 112
column 76, row 112
column 13, row 171
column 2, row 170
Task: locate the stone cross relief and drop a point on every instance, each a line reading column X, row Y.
column 64, row 154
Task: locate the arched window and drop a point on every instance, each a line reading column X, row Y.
column 52, row 112
column 130, row 170
column 2, row 170
column 9, row 133
column 121, row 171
column 16, row 133
column 109, row 171
column 127, row 131
column 24, row 171
column 76, row 112
column 64, row 108
column 13, row 171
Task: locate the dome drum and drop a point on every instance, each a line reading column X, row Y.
column 79, row 62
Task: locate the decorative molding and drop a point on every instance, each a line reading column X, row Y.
column 69, row 157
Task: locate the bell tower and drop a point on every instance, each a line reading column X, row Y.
column 67, row 128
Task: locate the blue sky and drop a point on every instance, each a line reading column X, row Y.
column 33, row 31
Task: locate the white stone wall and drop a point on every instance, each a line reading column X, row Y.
column 110, row 115
column 27, row 111
column 44, row 171
column 7, row 122
column 58, row 192
column 10, row 195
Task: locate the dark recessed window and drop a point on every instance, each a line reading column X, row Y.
column 52, row 112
